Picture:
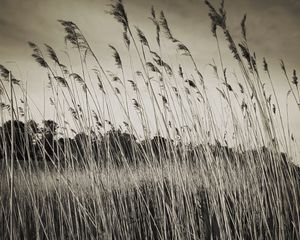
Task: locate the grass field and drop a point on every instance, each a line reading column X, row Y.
column 141, row 152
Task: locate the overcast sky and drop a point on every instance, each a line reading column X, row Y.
column 273, row 24
column 273, row 30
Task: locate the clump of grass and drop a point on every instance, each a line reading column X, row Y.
column 170, row 171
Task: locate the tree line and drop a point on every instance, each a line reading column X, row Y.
column 29, row 142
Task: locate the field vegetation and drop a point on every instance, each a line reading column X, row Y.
column 172, row 169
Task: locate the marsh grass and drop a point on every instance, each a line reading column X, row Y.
column 81, row 176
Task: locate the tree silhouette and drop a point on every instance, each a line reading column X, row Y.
column 67, row 150
column 159, row 146
column 49, row 144
column 82, row 146
column 120, row 145
column 22, row 140
column 1, row 143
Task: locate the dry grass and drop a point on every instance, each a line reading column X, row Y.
column 113, row 183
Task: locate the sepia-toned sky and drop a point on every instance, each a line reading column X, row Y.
column 273, row 31
column 273, row 25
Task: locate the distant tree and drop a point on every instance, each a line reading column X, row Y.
column 22, row 140
column 120, row 145
column 97, row 147
column 82, row 146
column 32, row 127
column 50, row 126
column 159, row 146
column 49, row 144
column 67, row 150
column 1, row 143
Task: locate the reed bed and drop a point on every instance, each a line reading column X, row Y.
column 140, row 151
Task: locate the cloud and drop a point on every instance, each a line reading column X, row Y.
column 273, row 25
